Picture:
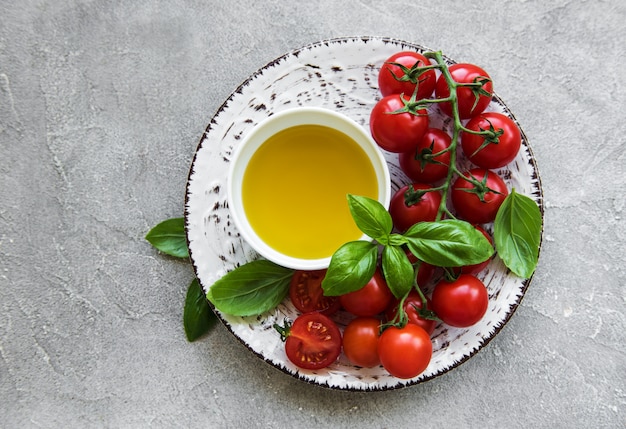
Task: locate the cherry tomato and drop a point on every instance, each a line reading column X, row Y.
column 371, row 299
column 393, row 80
column 462, row 302
column 407, row 206
column 360, row 341
column 412, row 301
column 397, row 132
column 420, row 164
column 469, row 205
column 306, row 293
column 313, row 341
column 494, row 151
column 405, row 352
column 468, row 106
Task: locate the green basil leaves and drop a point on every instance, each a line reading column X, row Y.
column 197, row 317
column 351, row 267
column 251, row 289
column 169, row 237
column 517, row 233
column 370, row 217
column 447, row 243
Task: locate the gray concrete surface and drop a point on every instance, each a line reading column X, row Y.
column 102, row 105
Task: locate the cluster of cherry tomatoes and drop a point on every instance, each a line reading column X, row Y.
column 385, row 330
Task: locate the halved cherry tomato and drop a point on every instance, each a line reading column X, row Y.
column 462, row 302
column 471, row 101
column 410, row 205
column 421, row 164
column 412, row 305
column 496, row 150
column 393, row 80
column 371, row 299
column 405, row 352
column 360, row 341
column 478, row 204
column 306, row 293
column 313, row 341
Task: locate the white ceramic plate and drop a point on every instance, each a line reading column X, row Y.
column 339, row 74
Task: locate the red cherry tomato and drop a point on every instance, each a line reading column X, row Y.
column 405, row 352
column 306, row 293
column 393, row 80
column 462, row 302
column 412, row 301
column 469, row 205
column 495, row 151
column 360, row 341
column 313, row 341
column 397, row 132
column 407, row 206
column 421, row 164
column 370, row 300
column 468, row 106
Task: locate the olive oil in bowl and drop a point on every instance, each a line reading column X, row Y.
column 288, row 182
column 295, row 186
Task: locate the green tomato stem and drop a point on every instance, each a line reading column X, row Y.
column 458, row 126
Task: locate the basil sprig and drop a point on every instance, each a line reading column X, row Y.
column 447, row 243
column 517, row 233
column 169, row 237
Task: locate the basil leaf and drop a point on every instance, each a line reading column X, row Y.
column 251, row 289
column 396, row 240
column 370, row 216
column 517, row 233
column 398, row 271
column 448, row 243
column 197, row 316
column 351, row 267
column 169, row 237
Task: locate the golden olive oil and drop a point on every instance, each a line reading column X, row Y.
column 295, row 186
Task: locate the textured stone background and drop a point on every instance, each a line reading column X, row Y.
column 101, row 107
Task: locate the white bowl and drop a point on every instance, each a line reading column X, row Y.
column 259, row 135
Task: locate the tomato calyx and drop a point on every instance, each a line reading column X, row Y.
column 412, row 106
column 427, row 156
column 412, row 74
column 284, row 330
column 413, row 196
column 479, row 188
column 425, row 313
column 478, row 88
column 490, row 135
column 450, row 274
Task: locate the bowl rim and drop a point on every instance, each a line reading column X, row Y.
column 285, row 119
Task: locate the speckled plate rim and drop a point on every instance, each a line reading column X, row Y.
column 239, row 252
